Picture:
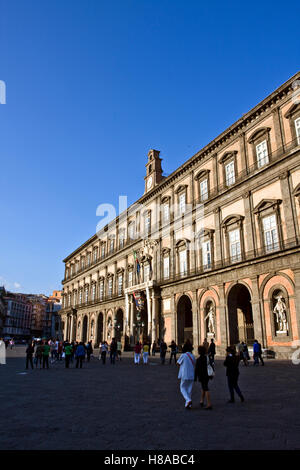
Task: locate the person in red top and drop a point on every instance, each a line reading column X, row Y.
column 137, row 352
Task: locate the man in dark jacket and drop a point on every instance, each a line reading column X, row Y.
column 29, row 354
column 232, row 372
column 113, row 351
column 163, row 349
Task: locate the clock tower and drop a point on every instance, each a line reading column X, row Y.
column 153, row 170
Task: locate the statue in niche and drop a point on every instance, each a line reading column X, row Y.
column 280, row 313
column 211, row 319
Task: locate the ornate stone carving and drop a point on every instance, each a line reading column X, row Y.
column 280, row 314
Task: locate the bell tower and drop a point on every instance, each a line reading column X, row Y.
column 153, row 170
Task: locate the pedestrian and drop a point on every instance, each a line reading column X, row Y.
column 205, row 344
column 89, row 350
column 119, row 350
column 103, row 351
column 174, row 350
column 52, row 350
column 46, row 352
column 154, row 348
column 212, row 352
column 38, row 354
column 80, row 355
column 257, row 353
column 137, row 352
column 145, row 353
column 240, row 347
column 113, row 351
column 60, row 350
column 29, row 354
column 187, row 374
column 68, row 350
column 232, row 372
column 245, row 353
column 163, row 350
column 201, row 374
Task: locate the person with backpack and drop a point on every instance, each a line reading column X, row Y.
column 187, row 374
column 201, row 374
column 232, row 372
column 80, row 354
column 257, row 353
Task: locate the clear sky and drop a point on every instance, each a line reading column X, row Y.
column 92, row 85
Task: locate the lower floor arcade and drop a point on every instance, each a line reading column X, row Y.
column 249, row 305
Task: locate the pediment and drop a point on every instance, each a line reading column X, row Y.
column 295, row 108
column 258, row 133
column 227, row 155
column 267, row 204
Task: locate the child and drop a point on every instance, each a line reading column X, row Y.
column 186, row 374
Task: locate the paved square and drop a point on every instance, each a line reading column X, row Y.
column 140, row 407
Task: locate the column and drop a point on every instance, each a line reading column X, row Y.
column 71, row 327
column 172, row 256
column 126, row 329
column 196, row 338
column 248, row 228
column 154, row 317
column 287, row 206
column 243, row 148
column 224, row 326
column 257, row 306
column 278, row 130
column 148, row 310
column 218, row 237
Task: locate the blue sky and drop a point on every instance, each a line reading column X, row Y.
column 92, row 85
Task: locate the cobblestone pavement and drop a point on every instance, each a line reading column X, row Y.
column 140, row 407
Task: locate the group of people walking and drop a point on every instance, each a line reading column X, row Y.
column 38, row 353
column 114, row 349
column 202, row 370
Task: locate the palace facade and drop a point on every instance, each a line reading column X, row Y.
column 211, row 251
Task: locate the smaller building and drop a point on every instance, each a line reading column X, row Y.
column 2, row 309
column 18, row 318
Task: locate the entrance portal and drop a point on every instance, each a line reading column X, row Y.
column 240, row 316
column 119, row 325
column 184, row 320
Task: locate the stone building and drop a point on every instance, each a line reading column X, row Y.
column 211, row 251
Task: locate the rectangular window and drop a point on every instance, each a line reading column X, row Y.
column 86, row 295
column 95, row 255
column 182, row 203
column 130, row 277
column 120, row 284
column 146, row 272
column 101, row 293
column 80, row 297
column 166, row 212
column 182, row 263
column 103, row 250
column 121, row 238
column 72, row 269
column 131, row 231
column 111, row 245
column 297, row 126
column 166, row 267
column 270, row 233
column 77, row 266
column 110, row 286
column 204, row 190
column 235, row 245
column 89, row 259
column 94, row 292
column 74, row 298
column 230, row 173
column 206, row 255
column 82, row 263
column 262, row 154
column 147, row 224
